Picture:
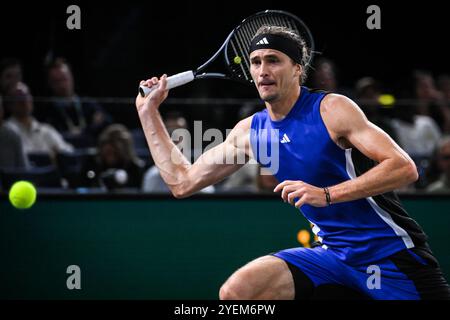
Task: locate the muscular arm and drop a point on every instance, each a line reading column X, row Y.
column 349, row 127
column 182, row 177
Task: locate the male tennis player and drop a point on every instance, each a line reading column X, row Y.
column 334, row 164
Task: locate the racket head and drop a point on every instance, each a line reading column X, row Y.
column 239, row 40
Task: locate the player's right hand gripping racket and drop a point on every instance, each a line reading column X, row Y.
column 235, row 49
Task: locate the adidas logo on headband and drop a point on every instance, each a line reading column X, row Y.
column 262, row 41
column 277, row 42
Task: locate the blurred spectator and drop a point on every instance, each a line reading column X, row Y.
column 368, row 93
column 418, row 137
column 431, row 102
column 416, row 131
column 10, row 73
column 243, row 180
column 36, row 137
column 12, row 154
column 444, row 86
column 76, row 119
column 443, row 162
column 153, row 182
column 324, row 75
column 116, row 165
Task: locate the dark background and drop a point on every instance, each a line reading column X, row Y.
column 121, row 43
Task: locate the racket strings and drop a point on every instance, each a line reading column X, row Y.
column 243, row 49
column 247, row 32
column 237, row 52
column 243, row 37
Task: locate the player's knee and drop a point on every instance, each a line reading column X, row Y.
column 226, row 293
column 234, row 289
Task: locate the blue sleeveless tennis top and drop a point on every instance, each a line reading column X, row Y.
column 299, row 148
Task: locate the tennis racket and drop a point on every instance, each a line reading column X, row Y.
column 235, row 49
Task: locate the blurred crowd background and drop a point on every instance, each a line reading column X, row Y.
column 67, row 116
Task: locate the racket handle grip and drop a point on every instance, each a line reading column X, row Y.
column 174, row 81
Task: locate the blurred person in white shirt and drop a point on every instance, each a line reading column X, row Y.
column 36, row 137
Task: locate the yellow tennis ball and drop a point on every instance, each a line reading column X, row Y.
column 22, row 195
column 237, row 60
column 386, row 100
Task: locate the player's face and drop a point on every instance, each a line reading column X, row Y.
column 274, row 73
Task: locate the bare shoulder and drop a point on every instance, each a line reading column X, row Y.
column 242, row 128
column 245, row 124
column 337, row 104
column 340, row 113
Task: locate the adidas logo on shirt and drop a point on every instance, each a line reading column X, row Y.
column 262, row 41
column 285, row 139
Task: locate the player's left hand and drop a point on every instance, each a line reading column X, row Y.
column 305, row 193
